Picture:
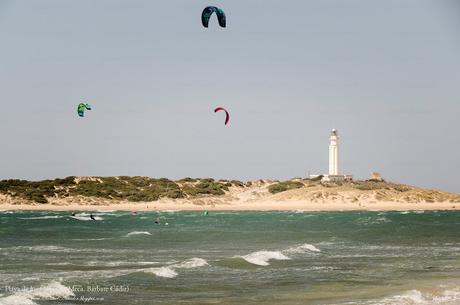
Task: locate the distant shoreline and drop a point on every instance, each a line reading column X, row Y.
column 194, row 194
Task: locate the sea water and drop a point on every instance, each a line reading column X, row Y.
column 230, row 258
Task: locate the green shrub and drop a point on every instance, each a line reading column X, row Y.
column 205, row 187
column 237, row 183
column 187, row 179
column 175, row 194
column 284, row 186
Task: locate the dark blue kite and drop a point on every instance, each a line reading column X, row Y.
column 207, row 13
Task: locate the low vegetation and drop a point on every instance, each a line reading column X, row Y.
column 145, row 189
column 284, row 186
column 36, row 190
column 133, row 189
column 205, row 187
column 369, row 185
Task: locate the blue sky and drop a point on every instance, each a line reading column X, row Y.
column 386, row 74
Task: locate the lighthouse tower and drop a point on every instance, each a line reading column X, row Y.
column 334, row 153
column 333, row 175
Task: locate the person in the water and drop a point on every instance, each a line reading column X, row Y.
column 73, row 214
column 92, row 217
column 157, row 221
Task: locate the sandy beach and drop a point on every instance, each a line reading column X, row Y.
column 168, row 205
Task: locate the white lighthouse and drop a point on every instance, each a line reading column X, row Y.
column 334, row 153
column 333, row 175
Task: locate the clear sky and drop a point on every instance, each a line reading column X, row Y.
column 386, row 74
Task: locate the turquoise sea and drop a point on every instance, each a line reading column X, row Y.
column 230, row 258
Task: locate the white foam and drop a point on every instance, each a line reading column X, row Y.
column 59, row 264
column 105, row 214
column 16, row 300
column 261, row 258
column 191, row 263
column 52, row 291
column 42, row 217
column 41, row 248
column 302, row 249
column 118, row 263
column 371, row 221
column 144, row 263
column 86, row 218
column 170, row 270
column 138, row 233
column 88, row 239
column 416, row 297
column 162, row 272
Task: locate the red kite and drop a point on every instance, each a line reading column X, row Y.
column 227, row 116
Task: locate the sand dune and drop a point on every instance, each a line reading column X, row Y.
column 259, row 195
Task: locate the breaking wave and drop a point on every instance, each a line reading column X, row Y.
column 191, row 263
column 416, row 297
column 170, row 270
column 137, row 233
column 262, row 258
column 52, row 291
column 167, row 272
column 302, row 249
